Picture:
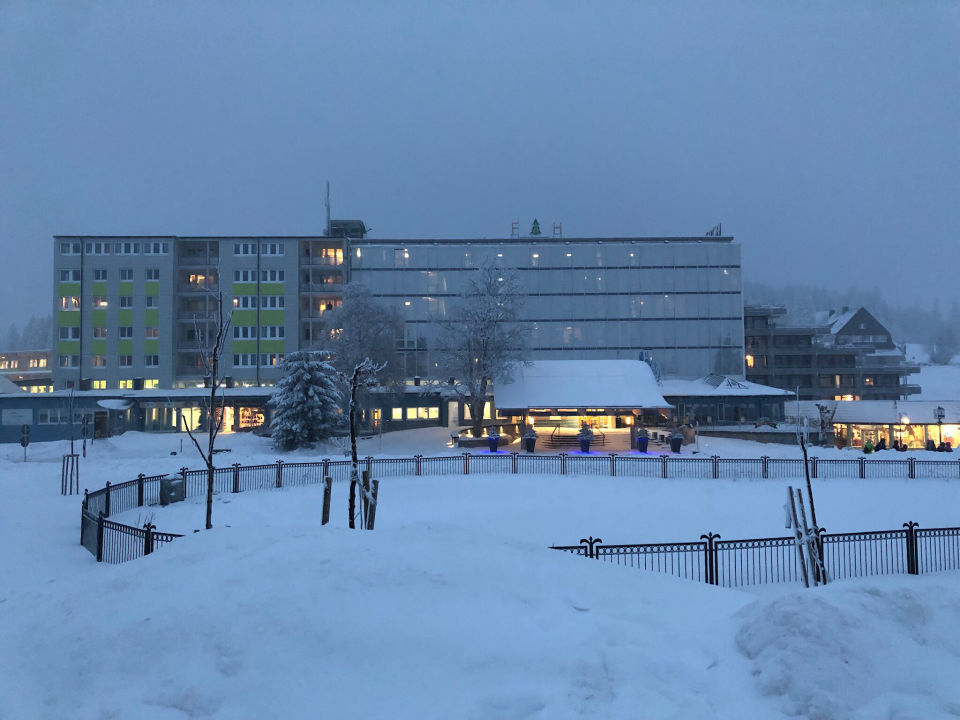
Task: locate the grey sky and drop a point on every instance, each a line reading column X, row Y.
column 824, row 136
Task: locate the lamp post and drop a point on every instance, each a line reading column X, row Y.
column 940, row 414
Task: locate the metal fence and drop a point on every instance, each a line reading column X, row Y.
column 748, row 564
column 764, row 561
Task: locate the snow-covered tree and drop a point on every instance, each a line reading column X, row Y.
column 307, row 401
column 480, row 338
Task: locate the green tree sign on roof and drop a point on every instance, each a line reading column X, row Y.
column 535, row 229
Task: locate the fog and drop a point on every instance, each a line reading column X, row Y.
column 823, row 136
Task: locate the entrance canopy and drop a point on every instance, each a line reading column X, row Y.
column 562, row 387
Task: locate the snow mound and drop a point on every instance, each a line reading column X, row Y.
column 859, row 649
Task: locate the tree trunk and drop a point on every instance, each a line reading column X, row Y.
column 476, row 416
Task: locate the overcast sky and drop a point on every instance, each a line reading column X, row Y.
column 824, row 136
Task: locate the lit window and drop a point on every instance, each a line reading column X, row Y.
column 396, row 414
column 150, row 384
column 749, row 359
column 99, row 301
column 99, row 384
column 70, row 302
column 99, row 361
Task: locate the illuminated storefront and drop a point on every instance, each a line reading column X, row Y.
column 917, row 424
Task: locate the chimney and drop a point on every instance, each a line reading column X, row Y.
column 832, row 311
column 845, row 308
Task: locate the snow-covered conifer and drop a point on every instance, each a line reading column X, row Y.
column 306, row 404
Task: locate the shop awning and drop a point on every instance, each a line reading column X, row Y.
column 572, row 385
column 115, row 404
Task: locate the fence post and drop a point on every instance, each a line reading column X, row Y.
column 326, row 466
column 100, row 536
column 591, row 543
column 913, row 561
column 466, row 463
column 140, row 490
column 613, row 464
column 183, row 474
column 369, row 460
column 372, row 510
column 106, row 502
column 862, row 464
column 417, row 464
column 765, row 466
column 148, row 538
column 327, row 490
column 513, row 462
column 716, row 466
column 279, row 473
column 911, row 468
column 236, row 477
column 663, row 464
column 710, row 558
column 563, row 463
column 814, row 467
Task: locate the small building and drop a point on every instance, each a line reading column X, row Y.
column 915, row 423
column 721, row 400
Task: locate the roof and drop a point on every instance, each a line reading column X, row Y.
column 8, row 387
column 554, row 384
column 719, row 386
column 891, row 412
column 151, row 394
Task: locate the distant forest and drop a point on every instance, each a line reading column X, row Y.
column 929, row 326
column 36, row 334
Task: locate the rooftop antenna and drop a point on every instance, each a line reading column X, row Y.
column 558, row 230
column 327, row 203
column 715, row 231
column 515, row 230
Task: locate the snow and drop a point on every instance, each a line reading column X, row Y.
column 938, row 382
column 454, row 607
column 727, row 387
column 581, row 384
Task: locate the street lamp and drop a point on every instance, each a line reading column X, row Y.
column 903, row 421
column 940, row 414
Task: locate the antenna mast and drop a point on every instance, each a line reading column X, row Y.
column 328, row 208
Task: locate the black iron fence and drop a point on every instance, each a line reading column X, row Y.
column 762, row 561
column 113, row 542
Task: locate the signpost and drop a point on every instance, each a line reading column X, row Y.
column 24, row 439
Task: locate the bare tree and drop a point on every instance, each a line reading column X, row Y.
column 480, row 338
column 364, row 373
column 210, row 360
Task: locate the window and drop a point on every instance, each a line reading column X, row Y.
column 99, row 361
column 271, row 331
column 69, row 276
column 100, row 301
column 244, row 275
column 396, row 414
column 126, row 248
column 126, row 301
column 270, row 359
column 245, row 248
column 70, row 302
column 126, row 332
column 155, row 248
column 271, row 275
column 126, row 274
column 423, row 413
column 70, row 248
column 126, row 361
column 70, row 333
column 151, row 360
column 151, row 301
column 125, row 384
column 38, row 362
column 69, row 361
column 245, row 302
column 151, row 383
column 98, row 248
column 272, row 301
column 245, row 360
column 151, row 332
column 99, row 274
column 152, row 273
column 271, row 248
column 99, row 332
column 98, row 384
column 244, row 332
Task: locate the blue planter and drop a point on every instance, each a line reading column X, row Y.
column 584, row 446
column 642, row 444
column 494, row 442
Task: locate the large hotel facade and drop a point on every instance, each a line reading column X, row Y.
column 130, row 310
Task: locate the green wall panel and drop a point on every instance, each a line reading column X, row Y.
column 68, row 318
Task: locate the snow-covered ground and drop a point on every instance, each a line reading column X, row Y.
column 454, row 607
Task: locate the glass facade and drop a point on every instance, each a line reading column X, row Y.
column 678, row 299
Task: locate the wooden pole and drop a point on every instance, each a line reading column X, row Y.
column 327, row 490
column 798, row 540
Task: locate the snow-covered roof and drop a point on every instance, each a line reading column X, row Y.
column 807, row 409
column 553, row 384
column 153, row 393
column 8, row 387
column 890, row 412
column 718, row 386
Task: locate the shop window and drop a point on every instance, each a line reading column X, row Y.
column 396, row 414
